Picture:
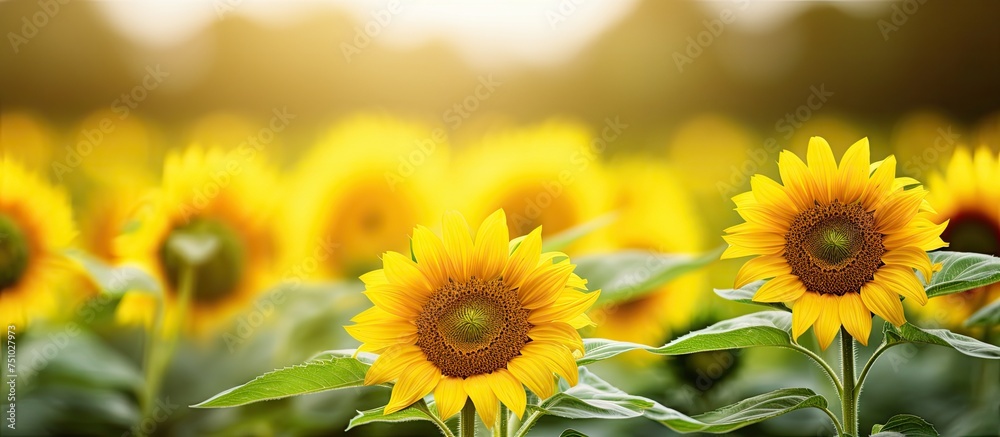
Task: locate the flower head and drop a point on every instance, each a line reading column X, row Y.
column 473, row 319
column 840, row 242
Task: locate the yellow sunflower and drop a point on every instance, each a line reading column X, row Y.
column 661, row 220
column 839, row 242
column 550, row 175
column 36, row 225
column 211, row 193
column 472, row 319
column 968, row 196
column 361, row 189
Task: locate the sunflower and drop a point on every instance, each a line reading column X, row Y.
column 839, row 242
column 548, row 175
column 206, row 193
column 663, row 220
column 361, row 189
column 36, row 225
column 473, row 320
column 968, row 196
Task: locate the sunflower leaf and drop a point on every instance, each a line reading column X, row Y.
column 962, row 271
column 572, row 433
column 765, row 328
column 630, row 274
column 987, row 315
column 906, row 425
column 114, row 281
column 941, row 337
column 743, row 413
column 311, row 377
column 563, row 239
column 593, row 398
column 745, row 295
column 418, row 411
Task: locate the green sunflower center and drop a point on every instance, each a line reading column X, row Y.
column 219, row 275
column 835, row 248
column 472, row 328
column 13, row 253
column 973, row 232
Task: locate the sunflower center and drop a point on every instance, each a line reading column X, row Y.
column 220, row 274
column 13, row 253
column 835, row 248
column 472, row 328
column 973, row 232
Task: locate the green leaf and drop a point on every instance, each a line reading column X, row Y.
column 745, row 295
column 311, row 377
column 563, row 239
column 906, row 425
column 115, row 281
column 962, row 271
column 743, row 413
column 418, row 411
column 593, row 398
column 941, row 337
column 630, row 274
column 766, row 328
column 572, row 433
column 987, row 315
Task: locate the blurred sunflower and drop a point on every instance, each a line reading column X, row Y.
column 473, row 320
column 547, row 176
column 968, row 197
column 36, row 225
column 27, row 138
column 360, row 191
column 209, row 193
column 840, row 243
column 663, row 220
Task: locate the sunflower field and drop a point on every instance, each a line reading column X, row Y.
column 546, row 218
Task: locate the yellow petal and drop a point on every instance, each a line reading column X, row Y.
column 855, row 317
column 387, row 332
column 763, row 267
column 403, row 272
column 785, row 288
column 901, row 280
column 823, row 167
column 570, row 304
column 883, row 302
column 745, row 199
column 509, row 390
column 805, row 311
column 557, row 358
column 797, row 179
column 543, row 285
column 458, row 245
column 524, row 259
column 490, row 253
column 760, row 243
column 375, row 277
column 922, row 237
column 852, row 176
column 390, row 364
column 557, row 332
column 431, row 257
column 479, row 390
column 898, row 210
column 396, row 301
column 828, row 323
column 769, row 218
column 450, row 396
column 533, row 374
column 416, row 382
column 769, row 192
column 879, row 184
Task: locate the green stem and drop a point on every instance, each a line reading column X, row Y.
column 871, row 361
column 832, row 374
column 500, row 429
column 445, row 431
column 467, row 420
column 847, row 399
column 528, row 423
column 836, row 423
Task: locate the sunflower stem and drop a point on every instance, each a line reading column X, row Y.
column 500, row 429
column 467, row 420
column 847, row 398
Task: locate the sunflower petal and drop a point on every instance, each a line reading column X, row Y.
column 392, row 362
column 805, row 311
column 571, row 303
column 898, row 210
column 509, row 390
column 763, row 267
column 823, row 167
column 557, row 357
column 883, row 302
column 785, row 288
column 852, row 176
column 524, row 259
column 879, row 185
column 903, row 281
column 479, row 390
column 769, row 192
column 828, row 323
column 797, row 179
column 855, row 317
column 558, row 332
column 533, row 374
column 458, row 245
column 431, row 257
column 450, row 396
column 403, row 272
column 542, row 286
column 416, row 382
column 490, row 252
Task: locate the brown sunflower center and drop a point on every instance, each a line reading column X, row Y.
column 472, row 328
column 13, row 253
column 220, row 274
column 835, row 248
column 972, row 231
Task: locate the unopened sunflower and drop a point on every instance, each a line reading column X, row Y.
column 36, row 226
column 839, row 242
column 212, row 194
column 473, row 319
column 968, row 196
